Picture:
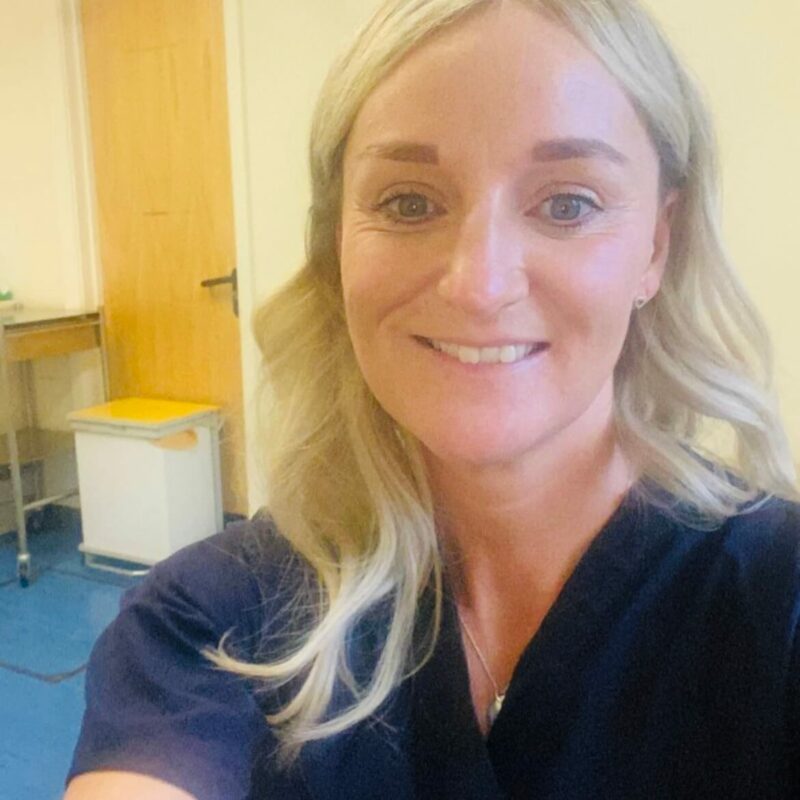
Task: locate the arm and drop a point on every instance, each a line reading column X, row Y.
column 159, row 718
column 122, row 786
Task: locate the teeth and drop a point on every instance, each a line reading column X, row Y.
column 485, row 355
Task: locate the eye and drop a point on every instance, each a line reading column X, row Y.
column 566, row 208
column 408, row 208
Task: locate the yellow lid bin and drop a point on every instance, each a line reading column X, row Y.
column 148, row 474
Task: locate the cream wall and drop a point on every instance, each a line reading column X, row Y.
column 45, row 247
column 47, row 254
column 744, row 52
column 278, row 54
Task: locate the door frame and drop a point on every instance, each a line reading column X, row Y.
column 243, row 227
column 83, row 280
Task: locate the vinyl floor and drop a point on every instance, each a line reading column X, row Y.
column 46, row 633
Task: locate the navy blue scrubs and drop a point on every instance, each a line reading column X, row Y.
column 667, row 668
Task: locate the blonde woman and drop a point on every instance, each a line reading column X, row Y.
column 498, row 559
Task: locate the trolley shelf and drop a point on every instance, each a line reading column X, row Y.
column 27, row 335
column 36, row 444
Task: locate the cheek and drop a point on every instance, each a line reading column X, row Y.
column 367, row 280
column 360, row 275
column 379, row 274
column 590, row 290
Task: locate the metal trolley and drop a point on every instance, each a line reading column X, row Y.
column 26, row 335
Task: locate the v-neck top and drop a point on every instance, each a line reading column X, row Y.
column 667, row 667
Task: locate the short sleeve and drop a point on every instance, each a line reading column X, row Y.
column 154, row 704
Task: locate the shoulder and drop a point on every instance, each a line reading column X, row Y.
column 743, row 577
column 762, row 540
column 252, row 548
column 740, row 577
column 236, row 579
column 759, row 551
column 154, row 703
column 765, row 540
column 764, row 531
column 761, row 556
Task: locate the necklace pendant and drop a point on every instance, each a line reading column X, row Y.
column 494, row 708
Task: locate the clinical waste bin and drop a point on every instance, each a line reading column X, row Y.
column 148, row 476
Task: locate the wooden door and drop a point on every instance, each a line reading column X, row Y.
column 159, row 122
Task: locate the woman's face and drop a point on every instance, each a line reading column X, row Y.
column 499, row 190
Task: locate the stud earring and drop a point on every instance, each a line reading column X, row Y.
column 639, row 302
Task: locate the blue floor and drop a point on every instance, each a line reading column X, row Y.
column 46, row 633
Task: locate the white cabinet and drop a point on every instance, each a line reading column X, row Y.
column 148, row 472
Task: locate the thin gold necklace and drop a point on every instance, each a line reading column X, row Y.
column 499, row 697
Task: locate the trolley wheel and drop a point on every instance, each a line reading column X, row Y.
column 24, row 570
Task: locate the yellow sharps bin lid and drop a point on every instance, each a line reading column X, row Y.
column 151, row 415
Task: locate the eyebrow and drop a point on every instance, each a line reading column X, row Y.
column 574, row 147
column 403, row 151
column 547, row 150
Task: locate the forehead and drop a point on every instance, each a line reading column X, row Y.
column 501, row 79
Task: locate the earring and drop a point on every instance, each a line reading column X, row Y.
column 639, row 302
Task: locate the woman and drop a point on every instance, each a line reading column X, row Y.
column 495, row 562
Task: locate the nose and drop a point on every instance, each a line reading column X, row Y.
column 486, row 269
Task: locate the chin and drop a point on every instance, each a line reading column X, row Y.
column 475, row 450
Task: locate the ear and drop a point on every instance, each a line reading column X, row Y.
column 651, row 278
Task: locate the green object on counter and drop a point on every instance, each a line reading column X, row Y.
column 6, row 294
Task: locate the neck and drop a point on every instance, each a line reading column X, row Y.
column 517, row 529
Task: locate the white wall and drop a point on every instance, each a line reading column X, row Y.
column 278, row 54
column 48, row 253
column 745, row 54
column 47, row 245
column 44, row 250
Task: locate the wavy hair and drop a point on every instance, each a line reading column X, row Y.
column 347, row 485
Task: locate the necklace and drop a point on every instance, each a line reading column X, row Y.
column 499, row 697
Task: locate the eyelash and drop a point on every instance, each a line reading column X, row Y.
column 383, row 207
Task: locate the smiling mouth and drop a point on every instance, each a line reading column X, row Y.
column 507, row 354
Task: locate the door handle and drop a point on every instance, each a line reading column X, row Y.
column 226, row 279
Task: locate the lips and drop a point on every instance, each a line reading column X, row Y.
column 505, row 355
column 504, row 342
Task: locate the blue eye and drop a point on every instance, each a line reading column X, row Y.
column 408, row 208
column 412, row 208
column 412, row 205
column 566, row 208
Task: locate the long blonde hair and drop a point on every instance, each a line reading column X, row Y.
column 347, row 485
